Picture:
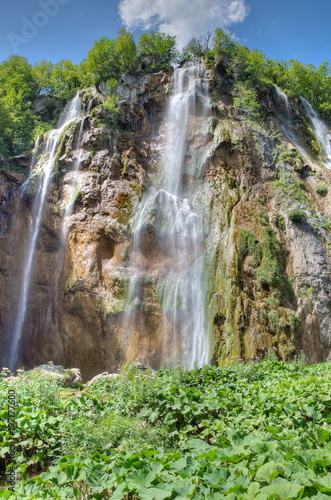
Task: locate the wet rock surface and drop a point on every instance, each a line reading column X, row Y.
column 250, row 179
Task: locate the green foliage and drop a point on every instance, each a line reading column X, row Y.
column 251, row 431
column 321, row 191
column 279, row 221
column 267, row 258
column 18, row 88
column 108, row 59
column 111, row 103
column 293, row 77
column 271, row 274
column 246, row 101
column 193, row 49
column 65, row 79
column 223, row 44
column 161, row 48
column 247, row 244
column 291, row 189
column 297, row 215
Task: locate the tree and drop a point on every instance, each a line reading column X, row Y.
column 100, row 61
column 110, row 58
column 125, row 51
column 222, row 43
column 18, row 88
column 43, row 71
column 65, row 79
column 161, row 48
column 194, row 48
column 17, row 81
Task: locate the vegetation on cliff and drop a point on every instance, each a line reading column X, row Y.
column 22, row 83
column 255, row 431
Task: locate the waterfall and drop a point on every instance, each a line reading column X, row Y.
column 70, row 113
column 321, row 131
column 74, row 181
column 177, row 229
column 284, row 102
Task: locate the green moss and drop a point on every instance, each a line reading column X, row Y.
column 137, row 188
column 112, row 306
column 119, row 287
column 125, row 207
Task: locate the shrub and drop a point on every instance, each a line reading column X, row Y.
column 321, row 191
column 279, row 221
column 246, row 101
column 297, row 215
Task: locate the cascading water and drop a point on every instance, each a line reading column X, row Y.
column 178, row 231
column 74, row 181
column 284, row 103
column 288, row 126
column 321, row 131
column 71, row 113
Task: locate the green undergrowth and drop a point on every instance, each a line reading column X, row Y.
column 256, row 431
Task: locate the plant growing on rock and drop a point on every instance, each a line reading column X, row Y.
column 322, row 191
column 296, row 215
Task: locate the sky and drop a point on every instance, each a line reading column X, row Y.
column 67, row 29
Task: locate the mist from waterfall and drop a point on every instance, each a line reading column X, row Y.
column 177, row 228
column 70, row 113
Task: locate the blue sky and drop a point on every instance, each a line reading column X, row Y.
column 67, row 29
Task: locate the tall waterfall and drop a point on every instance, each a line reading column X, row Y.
column 321, row 131
column 71, row 113
column 177, row 228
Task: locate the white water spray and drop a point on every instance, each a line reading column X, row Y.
column 177, row 228
column 284, row 102
column 74, row 182
column 321, row 131
column 71, row 112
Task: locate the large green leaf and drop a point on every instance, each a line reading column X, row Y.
column 284, row 491
column 154, row 494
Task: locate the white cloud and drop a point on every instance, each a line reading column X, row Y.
column 183, row 18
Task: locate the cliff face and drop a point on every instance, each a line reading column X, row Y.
column 267, row 272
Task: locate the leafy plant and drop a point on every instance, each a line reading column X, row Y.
column 322, row 191
column 259, row 430
column 297, row 215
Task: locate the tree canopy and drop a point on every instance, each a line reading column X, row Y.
column 21, row 83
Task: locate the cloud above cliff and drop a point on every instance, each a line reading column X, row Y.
column 183, row 18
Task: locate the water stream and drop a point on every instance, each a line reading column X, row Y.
column 177, row 229
column 322, row 132
column 70, row 113
column 284, row 103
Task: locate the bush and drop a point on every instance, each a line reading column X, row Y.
column 321, row 191
column 297, row 215
column 246, row 101
column 279, row 221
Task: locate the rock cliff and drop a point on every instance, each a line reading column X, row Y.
column 267, row 233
